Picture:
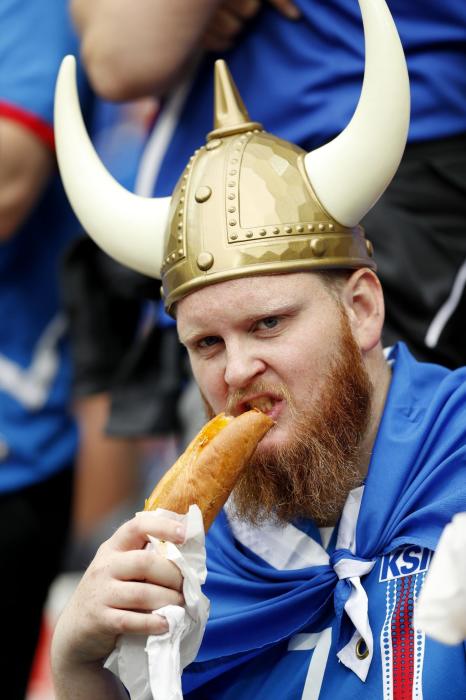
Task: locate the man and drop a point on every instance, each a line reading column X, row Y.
column 273, row 287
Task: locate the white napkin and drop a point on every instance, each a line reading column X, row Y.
column 151, row 667
column 441, row 609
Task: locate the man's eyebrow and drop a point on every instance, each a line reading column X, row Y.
column 267, row 310
column 193, row 336
column 272, row 310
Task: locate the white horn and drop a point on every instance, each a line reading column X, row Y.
column 128, row 227
column 350, row 173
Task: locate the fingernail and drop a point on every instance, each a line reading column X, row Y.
column 162, row 624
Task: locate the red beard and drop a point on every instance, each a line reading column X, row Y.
column 313, row 473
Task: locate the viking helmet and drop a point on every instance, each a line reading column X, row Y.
column 248, row 203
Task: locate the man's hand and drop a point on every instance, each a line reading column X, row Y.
column 231, row 17
column 132, row 50
column 117, row 594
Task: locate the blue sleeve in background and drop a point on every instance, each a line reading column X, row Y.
column 34, row 37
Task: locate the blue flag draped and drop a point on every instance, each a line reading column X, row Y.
column 415, row 484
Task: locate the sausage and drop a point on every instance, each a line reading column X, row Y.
column 207, row 471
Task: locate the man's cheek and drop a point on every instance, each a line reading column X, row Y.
column 208, row 407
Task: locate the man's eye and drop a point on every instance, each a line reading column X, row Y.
column 268, row 323
column 208, row 341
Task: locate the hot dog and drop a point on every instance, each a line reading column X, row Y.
column 207, row 471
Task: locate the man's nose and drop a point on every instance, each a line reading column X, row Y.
column 241, row 368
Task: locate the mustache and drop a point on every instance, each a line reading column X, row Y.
column 279, row 391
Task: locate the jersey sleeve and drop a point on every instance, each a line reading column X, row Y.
column 35, row 35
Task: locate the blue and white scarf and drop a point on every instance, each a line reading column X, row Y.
column 415, row 484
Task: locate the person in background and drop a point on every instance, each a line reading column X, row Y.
column 37, row 432
column 315, row 566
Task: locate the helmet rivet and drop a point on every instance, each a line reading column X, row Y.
column 310, row 227
column 211, row 145
column 318, row 246
column 181, row 252
column 249, row 234
column 232, row 222
column 180, row 237
column 369, row 248
column 180, row 212
column 232, row 172
column 300, row 228
column 205, row 261
column 331, row 227
column 180, row 226
column 276, row 230
column 173, row 256
column 234, row 236
column 231, row 195
column 202, row 194
column 321, row 227
column 262, row 232
column 288, row 229
column 231, row 210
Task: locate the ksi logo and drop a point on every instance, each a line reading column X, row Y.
column 404, row 562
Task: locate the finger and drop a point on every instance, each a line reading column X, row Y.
column 146, row 565
column 137, row 596
column 129, row 622
column 133, row 534
column 287, row 8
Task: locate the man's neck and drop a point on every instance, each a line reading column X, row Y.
column 380, row 376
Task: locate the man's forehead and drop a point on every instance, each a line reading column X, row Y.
column 256, row 295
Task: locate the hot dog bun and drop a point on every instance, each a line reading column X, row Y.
column 207, row 471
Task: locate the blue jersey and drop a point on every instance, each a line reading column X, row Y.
column 406, row 663
column 37, row 434
column 292, row 620
column 302, row 79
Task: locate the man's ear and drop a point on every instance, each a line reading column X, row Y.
column 363, row 300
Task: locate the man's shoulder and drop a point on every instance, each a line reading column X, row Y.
column 423, row 388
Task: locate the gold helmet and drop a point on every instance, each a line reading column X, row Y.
column 248, row 203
